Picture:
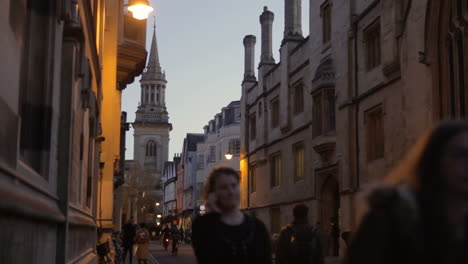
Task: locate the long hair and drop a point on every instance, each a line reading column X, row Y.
column 421, row 170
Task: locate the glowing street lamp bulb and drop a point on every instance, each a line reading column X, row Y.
column 228, row 155
column 157, row 204
column 158, row 216
column 140, row 9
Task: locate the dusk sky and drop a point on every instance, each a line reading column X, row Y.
column 200, row 48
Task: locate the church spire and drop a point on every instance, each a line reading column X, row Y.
column 153, row 68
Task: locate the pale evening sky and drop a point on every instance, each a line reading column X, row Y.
column 200, row 48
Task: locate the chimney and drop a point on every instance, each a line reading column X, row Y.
column 292, row 18
column 266, row 20
column 249, row 46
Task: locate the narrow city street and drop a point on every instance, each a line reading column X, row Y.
column 184, row 256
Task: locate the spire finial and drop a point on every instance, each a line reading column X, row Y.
column 154, row 22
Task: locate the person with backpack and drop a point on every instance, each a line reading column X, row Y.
column 299, row 242
column 142, row 238
column 225, row 234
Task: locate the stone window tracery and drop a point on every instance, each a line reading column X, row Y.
column 151, row 148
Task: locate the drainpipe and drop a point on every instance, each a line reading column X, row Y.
column 356, row 94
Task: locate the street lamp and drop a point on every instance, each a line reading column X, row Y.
column 140, row 9
column 158, row 216
column 228, row 155
column 157, row 204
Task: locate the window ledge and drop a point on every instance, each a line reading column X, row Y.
column 326, row 47
column 325, row 150
column 299, row 181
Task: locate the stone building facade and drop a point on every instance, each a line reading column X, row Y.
column 341, row 106
column 169, row 179
column 221, row 135
column 59, row 103
column 189, row 162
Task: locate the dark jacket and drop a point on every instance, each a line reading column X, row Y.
column 286, row 254
column 128, row 235
column 215, row 242
column 390, row 232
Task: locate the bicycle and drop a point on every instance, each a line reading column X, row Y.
column 103, row 251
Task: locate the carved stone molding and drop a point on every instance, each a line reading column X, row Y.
column 392, row 69
column 325, row 150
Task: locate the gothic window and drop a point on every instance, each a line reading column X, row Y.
column 152, row 93
column 372, row 42
column 260, row 110
column 234, row 146
column 253, row 179
column 275, row 170
column 456, row 96
column 298, row 161
column 298, row 99
column 253, row 127
column 326, row 21
column 375, row 133
column 275, row 113
column 151, row 148
column 323, row 112
column 147, row 95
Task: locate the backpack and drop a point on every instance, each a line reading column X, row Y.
column 142, row 236
column 303, row 244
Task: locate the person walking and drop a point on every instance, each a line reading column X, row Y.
column 225, row 234
column 128, row 236
column 175, row 236
column 420, row 215
column 142, row 238
column 299, row 242
column 182, row 233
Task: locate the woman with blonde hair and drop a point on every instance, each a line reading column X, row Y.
column 421, row 213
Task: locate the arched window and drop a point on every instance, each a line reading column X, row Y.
column 147, row 95
column 151, row 148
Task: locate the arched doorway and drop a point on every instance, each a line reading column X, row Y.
column 447, row 44
column 329, row 215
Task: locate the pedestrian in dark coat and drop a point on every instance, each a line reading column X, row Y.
column 128, row 235
column 299, row 242
column 421, row 215
column 225, row 234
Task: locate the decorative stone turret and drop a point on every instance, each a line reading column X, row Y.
column 266, row 20
column 249, row 69
column 292, row 18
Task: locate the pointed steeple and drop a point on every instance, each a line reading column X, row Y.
column 153, row 68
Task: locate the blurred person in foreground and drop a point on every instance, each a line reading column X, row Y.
column 225, row 234
column 421, row 215
column 299, row 242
